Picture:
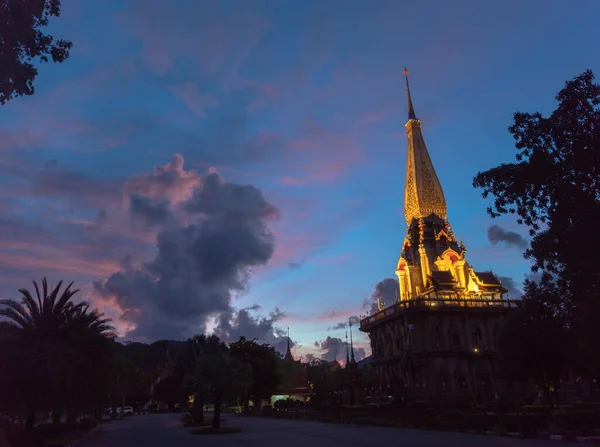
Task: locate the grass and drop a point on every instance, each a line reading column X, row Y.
column 216, row 431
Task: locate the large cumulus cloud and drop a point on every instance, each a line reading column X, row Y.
column 210, row 235
column 242, row 323
column 333, row 348
column 385, row 291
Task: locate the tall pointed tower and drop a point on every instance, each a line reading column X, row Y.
column 437, row 338
column 432, row 263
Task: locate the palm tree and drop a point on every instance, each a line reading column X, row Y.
column 56, row 345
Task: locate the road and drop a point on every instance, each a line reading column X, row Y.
column 158, row 430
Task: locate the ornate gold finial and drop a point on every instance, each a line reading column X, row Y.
column 411, row 109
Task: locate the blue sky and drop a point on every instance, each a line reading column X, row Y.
column 303, row 100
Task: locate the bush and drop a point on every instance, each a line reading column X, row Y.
column 583, row 422
column 508, row 423
column 87, row 424
column 452, row 420
column 481, row 422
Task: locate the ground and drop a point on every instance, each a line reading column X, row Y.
column 160, row 430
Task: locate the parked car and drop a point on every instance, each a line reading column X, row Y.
column 127, row 411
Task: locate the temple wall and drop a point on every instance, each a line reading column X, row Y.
column 451, row 353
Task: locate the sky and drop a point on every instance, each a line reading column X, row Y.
column 238, row 166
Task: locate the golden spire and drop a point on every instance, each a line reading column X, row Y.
column 423, row 194
column 411, row 109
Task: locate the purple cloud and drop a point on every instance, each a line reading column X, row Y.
column 202, row 258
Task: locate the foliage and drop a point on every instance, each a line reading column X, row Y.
column 327, row 384
column 217, row 372
column 54, row 350
column 262, row 361
column 23, row 41
column 126, row 377
column 554, row 189
column 191, row 383
column 537, row 343
column 170, row 390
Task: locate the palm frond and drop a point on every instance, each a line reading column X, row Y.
column 16, row 312
column 65, row 298
column 57, row 308
column 29, row 302
column 39, row 298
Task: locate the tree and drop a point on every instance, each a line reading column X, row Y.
column 263, row 361
column 54, row 347
column 127, row 378
column 23, row 41
column 327, row 383
column 195, row 347
column 537, row 343
column 169, row 390
column 554, row 189
column 217, row 371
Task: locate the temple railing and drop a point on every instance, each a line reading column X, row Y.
column 423, row 303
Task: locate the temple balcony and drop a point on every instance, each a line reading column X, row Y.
column 427, row 304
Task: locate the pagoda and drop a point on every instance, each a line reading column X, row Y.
column 438, row 337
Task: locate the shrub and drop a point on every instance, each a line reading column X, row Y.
column 87, row 424
column 453, row 420
column 508, row 423
column 481, row 422
column 583, row 422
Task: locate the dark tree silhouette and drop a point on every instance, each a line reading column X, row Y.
column 54, row 349
column 554, row 189
column 263, row 361
column 537, row 343
column 22, row 42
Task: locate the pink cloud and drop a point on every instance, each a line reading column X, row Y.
column 19, row 138
column 290, row 181
column 63, row 264
column 336, row 259
column 217, row 41
column 170, row 181
column 319, row 173
column 335, row 315
column 116, row 142
column 321, row 153
column 197, row 102
column 372, row 116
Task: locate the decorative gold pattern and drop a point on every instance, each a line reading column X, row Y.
column 423, row 194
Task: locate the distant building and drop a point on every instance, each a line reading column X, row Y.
column 437, row 338
column 295, row 383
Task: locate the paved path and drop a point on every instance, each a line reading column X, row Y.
column 160, row 430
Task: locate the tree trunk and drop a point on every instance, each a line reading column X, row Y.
column 30, row 415
column 122, row 414
column 71, row 417
column 217, row 412
column 198, row 409
column 56, row 415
